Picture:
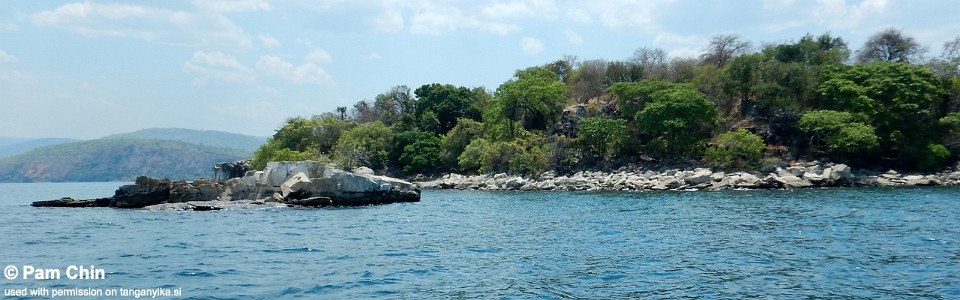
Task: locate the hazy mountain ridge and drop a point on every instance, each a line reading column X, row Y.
column 115, row 160
column 173, row 153
column 14, row 146
column 213, row 138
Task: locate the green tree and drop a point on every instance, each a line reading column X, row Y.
column 457, row 139
column 678, row 119
column 301, row 138
column 736, row 149
column 898, row 99
column 525, row 154
column 602, row 137
column 632, row 96
column 445, row 104
column 533, row 98
column 843, row 133
column 396, row 108
column 403, row 139
column 421, row 156
column 365, row 145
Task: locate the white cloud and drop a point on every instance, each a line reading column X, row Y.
column 389, row 21
column 6, row 57
column 316, row 54
column 269, row 41
column 143, row 22
column 8, row 26
column 838, row 14
column 17, row 77
column 310, row 73
column 319, row 55
column 233, row 5
column 306, row 74
column 681, row 45
column 573, row 37
column 437, row 18
column 274, row 66
column 373, row 56
column 777, row 4
column 531, row 45
column 216, row 66
column 628, row 14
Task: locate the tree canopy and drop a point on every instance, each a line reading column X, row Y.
column 734, row 106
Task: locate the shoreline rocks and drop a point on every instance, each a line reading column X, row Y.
column 301, row 183
column 799, row 175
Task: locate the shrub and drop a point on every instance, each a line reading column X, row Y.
column 421, row 156
column 736, row 149
column 365, row 145
column 604, row 137
column 842, row 133
column 456, row 141
column 932, row 157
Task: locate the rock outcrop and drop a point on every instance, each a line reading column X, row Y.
column 308, row 179
column 224, row 171
column 303, row 183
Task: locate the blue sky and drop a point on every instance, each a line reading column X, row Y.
column 94, row 68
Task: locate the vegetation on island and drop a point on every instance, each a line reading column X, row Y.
column 736, row 106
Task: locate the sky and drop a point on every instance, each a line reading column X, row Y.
column 89, row 69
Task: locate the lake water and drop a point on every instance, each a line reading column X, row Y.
column 784, row 244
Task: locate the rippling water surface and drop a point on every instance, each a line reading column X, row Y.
column 789, row 244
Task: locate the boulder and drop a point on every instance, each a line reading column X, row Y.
column 295, row 186
column 791, row 181
column 919, row 180
column 144, row 192
column 345, row 188
column 700, row 176
column 227, row 170
column 276, row 173
column 198, row 190
column 363, row 171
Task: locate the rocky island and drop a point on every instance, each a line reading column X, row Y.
column 300, row 183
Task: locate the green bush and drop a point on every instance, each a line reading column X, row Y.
column 525, row 155
column 933, row 157
column 272, row 151
column 678, row 119
column 365, row 145
column 603, row 137
column 736, row 149
column 842, row 133
column 456, row 141
column 421, row 156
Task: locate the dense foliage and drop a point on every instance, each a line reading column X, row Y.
column 734, row 106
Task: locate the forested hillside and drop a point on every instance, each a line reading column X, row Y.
column 213, row 138
column 739, row 105
column 115, row 160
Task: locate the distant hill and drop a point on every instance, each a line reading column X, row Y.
column 24, row 145
column 220, row 139
column 115, row 159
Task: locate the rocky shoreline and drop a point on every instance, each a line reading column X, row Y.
column 798, row 175
column 301, row 183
